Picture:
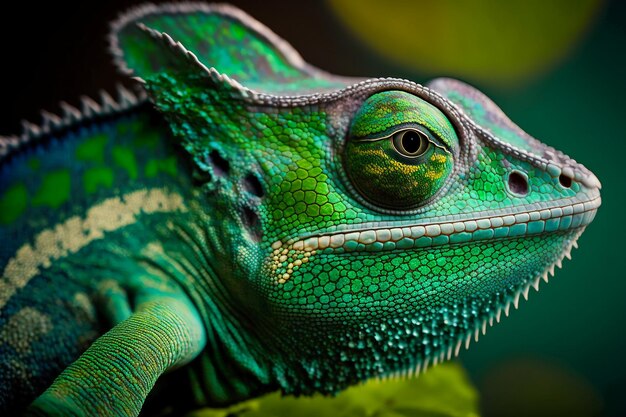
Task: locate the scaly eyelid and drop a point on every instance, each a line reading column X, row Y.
column 409, row 126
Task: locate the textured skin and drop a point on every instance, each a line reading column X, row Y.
column 262, row 230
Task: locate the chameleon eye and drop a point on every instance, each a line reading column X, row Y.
column 400, row 150
column 411, row 142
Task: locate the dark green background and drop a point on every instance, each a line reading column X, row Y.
column 564, row 351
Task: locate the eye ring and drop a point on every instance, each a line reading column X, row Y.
column 411, row 143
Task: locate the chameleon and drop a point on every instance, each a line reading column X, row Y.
column 242, row 222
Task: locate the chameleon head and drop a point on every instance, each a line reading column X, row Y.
column 430, row 216
column 384, row 223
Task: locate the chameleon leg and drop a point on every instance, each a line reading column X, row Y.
column 114, row 376
column 113, row 302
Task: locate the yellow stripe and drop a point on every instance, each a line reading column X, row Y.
column 76, row 233
column 24, row 328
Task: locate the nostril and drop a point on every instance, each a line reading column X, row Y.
column 518, row 183
column 565, row 180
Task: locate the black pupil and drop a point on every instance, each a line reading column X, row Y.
column 411, row 142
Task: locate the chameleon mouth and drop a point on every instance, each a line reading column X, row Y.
column 286, row 258
column 527, row 223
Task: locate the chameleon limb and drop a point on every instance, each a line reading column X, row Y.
column 114, row 376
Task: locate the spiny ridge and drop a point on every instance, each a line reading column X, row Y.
column 453, row 350
column 70, row 115
column 189, row 58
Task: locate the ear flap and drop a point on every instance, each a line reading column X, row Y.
column 485, row 113
column 213, row 36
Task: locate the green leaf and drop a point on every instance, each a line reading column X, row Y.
column 444, row 391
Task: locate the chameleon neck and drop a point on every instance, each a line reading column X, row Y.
column 235, row 364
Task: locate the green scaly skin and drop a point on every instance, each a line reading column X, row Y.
column 272, row 228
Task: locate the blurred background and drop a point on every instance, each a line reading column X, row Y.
column 557, row 68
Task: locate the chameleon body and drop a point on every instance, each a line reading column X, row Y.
column 253, row 224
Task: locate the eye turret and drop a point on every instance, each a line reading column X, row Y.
column 400, row 150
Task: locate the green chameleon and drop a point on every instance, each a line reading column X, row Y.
column 248, row 223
